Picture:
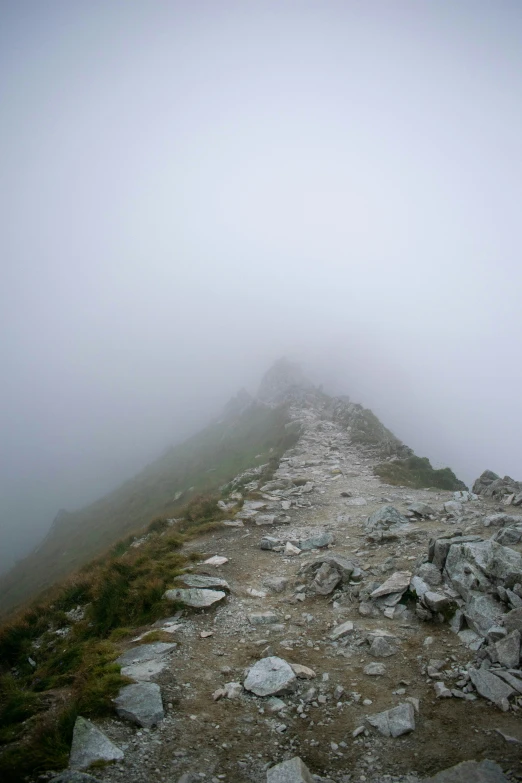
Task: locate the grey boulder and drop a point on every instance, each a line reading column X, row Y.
column 89, row 744
column 392, row 723
column 385, row 517
column 316, row 541
column 491, row 687
column 397, row 583
column 291, row 771
column 421, row 509
column 270, row 676
column 195, row 597
column 470, row 772
column 140, row 703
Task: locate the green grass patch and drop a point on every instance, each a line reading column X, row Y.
column 417, row 472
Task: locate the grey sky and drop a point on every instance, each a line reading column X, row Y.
column 192, row 189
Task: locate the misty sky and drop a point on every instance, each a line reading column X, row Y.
column 192, row 189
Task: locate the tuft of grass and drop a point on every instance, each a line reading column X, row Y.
column 417, row 472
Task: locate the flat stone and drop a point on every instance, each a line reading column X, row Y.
column 397, row 583
column 291, row 771
column 375, row 669
column 356, row 502
column 491, row 687
column 140, row 703
column 263, row 618
column 316, row 541
column 89, row 744
column 265, row 519
column 419, row 586
column 216, row 560
column 233, row 523
column 502, row 519
column 508, row 650
column 144, row 671
column 195, row 597
column 342, row 630
column 303, row 672
column 203, row 582
column 270, row 676
column 470, row 772
column 394, row 722
column 145, row 652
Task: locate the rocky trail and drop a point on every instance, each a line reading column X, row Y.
column 329, row 629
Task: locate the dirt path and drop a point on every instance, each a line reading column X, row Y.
column 236, row 740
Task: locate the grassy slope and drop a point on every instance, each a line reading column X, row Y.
column 200, row 464
column 417, row 472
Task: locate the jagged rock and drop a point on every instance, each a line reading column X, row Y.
column 463, row 496
column 290, row 550
column 508, row 650
column 502, row 520
column 513, row 620
column 145, row 652
column 383, row 647
column 421, row 509
column 140, row 703
column 342, row 630
column 345, row 567
column 508, row 536
column 441, row 691
column 277, row 584
column 491, row 485
column 482, row 612
column 203, row 582
column 291, row 771
column 453, row 508
column 89, row 744
column 491, row 687
column 397, row 583
column 384, row 518
column 430, row 574
column 270, row 676
column 437, row 602
column 394, row 722
column 195, row 597
column 418, row 586
column 470, row 772
column 326, row 579
column 439, row 547
column 270, row 543
column 316, row 541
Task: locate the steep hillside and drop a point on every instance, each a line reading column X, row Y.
column 248, row 434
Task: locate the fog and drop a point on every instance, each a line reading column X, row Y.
column 192, row 189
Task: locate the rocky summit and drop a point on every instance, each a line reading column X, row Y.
column 332, row 628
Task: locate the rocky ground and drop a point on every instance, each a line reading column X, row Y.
column 303, row 585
